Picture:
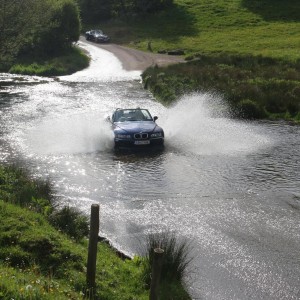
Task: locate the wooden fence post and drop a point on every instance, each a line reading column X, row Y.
column 92, row 254
column 156, row 272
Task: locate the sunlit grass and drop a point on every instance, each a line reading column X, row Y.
column 72, row 61
column 38, row 262
column 29, row 284
column 47, row 260
column 234, row 26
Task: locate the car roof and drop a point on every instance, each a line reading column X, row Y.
column 137, row 108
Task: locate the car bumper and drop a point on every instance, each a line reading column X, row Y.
column 138, row 143
column 102, row 40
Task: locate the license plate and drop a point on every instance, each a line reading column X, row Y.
column 142, row 142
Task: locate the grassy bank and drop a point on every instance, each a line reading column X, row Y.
column 39, row 262
column 66, row 63
column 254, row 87
column 246, row 51
column 256, row 27
column 43, row 251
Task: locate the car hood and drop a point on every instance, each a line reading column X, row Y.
column 101, row 35
column 135, row 126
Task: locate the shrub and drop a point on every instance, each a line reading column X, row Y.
column 70, row 221
column 15, row 256
column 248, row 109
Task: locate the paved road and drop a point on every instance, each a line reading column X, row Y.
column 133, row 59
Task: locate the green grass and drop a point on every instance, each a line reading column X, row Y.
column 67, row 63
column 38, row 262
column 47, row 260
column 17, row 187
column 257, row 27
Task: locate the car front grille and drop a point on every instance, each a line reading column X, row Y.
column 141, row 136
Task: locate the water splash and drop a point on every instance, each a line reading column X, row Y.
column 75, row 134
column 199, row 123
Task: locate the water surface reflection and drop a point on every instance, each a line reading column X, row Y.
column 230, row 187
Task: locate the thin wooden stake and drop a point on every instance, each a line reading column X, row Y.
column 156, row 272
column 92, row 254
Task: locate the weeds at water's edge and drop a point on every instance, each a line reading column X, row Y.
column 177, row 259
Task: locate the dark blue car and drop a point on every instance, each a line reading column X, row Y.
column 97, row 36
column 136, row 128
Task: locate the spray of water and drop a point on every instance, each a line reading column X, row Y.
column 75, row 134
column 199, row 123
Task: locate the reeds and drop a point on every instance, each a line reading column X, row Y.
column 176, row 264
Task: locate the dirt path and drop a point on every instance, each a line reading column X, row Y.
column 133, row 59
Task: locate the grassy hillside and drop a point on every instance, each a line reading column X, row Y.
column 257, row 27
column 43, row 251
column 245, row 50
column 38, row 262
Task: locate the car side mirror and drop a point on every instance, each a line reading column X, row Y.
column 155, row 118
column 108, row 119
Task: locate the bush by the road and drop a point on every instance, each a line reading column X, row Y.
column 254, row 86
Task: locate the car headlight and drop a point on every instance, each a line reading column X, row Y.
column 157, row 134
column 123, row 136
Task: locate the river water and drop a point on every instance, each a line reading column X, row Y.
column 231, row 188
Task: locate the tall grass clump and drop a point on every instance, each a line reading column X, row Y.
column 70, row 221
column 177, row 259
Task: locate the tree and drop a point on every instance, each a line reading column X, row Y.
column 146, row 6
column 62, row 28
column 18, row 19
column 100, row 10
column 95, row 10
column 44, row 26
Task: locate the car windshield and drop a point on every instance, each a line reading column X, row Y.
column 122, row 115
column 98, row 32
